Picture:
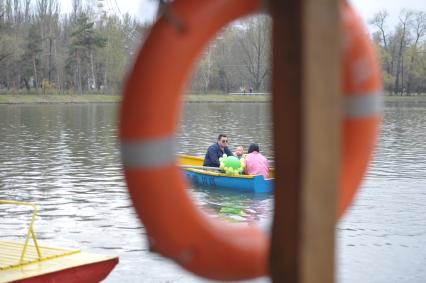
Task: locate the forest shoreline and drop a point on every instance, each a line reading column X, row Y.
column 108, row 98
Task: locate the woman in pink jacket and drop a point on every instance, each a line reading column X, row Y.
column 256, row 163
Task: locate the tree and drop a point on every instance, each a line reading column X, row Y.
column 402, row 34
column 84, row 41
column 255, row 47
column 113, row 57
column 419, row 26
column 379, row 20
column 31, row 57
column 47, row 12
column 225, row 64
column 239, row 56
column 72, row 49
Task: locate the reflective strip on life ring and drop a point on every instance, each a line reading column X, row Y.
column 150, row 112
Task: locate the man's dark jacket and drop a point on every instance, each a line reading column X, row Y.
column 213, row 154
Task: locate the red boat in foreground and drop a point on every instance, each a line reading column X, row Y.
column 24, row 262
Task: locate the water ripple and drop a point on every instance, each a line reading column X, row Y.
column 66, row 159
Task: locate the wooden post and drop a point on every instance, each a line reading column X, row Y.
column 306, row 113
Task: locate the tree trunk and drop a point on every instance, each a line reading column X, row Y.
column 404, row 22
column 35, row 72
column 385, row 45
column 17, row 81
column 410, row 74
column 50, row 60
column 396, row 87
column 58, row 79
column 412, row 60
column 92, row 65
column 27, row 85
column 79, row 83
column 105, row 80
column 7, row 78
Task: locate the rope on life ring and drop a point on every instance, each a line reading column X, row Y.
column 150, row 112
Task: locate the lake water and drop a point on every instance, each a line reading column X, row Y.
column 66, row 159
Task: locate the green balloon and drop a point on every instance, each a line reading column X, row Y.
column 230, row 210
column 232, row 162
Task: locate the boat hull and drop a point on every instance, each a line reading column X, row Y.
column 248, row 183
column 88, row 273
column 205, row 177
column 55, row 265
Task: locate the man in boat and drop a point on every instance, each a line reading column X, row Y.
column 256, row 163
column 216, row 150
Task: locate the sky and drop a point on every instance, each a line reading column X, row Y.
column 368, row 8
column 142, row 9
column 146, row 9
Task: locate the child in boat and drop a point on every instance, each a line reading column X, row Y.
column 239, row 152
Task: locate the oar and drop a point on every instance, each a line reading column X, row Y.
column 200, row 167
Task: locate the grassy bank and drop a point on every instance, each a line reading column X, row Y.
column 105, row 98
column 414, row 98
column 226, row 98
column 52, row 98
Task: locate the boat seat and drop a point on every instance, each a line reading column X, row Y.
column 11, row 252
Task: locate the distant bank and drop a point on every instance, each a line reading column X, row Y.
column 105, row 98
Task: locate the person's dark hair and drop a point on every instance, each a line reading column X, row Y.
column 253, row 147
column 221, row 136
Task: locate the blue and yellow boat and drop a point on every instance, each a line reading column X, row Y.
column 211, row 176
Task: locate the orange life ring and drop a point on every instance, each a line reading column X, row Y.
column 150, row 113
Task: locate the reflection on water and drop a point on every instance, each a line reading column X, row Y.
column 65, row 158
column 235, row 206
